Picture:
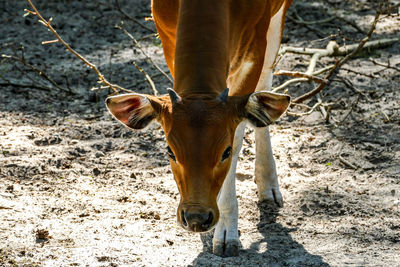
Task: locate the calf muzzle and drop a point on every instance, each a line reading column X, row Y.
column 197, row 219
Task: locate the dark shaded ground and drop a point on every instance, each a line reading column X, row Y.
column 77, row 189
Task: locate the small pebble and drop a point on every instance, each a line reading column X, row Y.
column 96, row 171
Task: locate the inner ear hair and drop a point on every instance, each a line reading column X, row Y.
column 263, row 108
column 257, row 114
column 139, row 123
column 150, row 109
column 133, row 110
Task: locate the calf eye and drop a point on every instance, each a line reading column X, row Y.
column 171, row 154
column 226, row 153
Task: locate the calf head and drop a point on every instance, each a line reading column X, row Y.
column 199, row 132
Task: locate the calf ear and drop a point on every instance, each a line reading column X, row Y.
column 133, row 110
column 263, row 108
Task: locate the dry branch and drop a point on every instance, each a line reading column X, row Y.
column 136, row 43
column 347, row 163
column 35, row 69
column 351, row 109
column 341, row 51
column 333, row 49
column 301, row 75
column 372, row 76
column 307, row 24
column 384, row 65
column 148, row 78
column 19, row 85
column 311, row 110
column 131, row 18
column 349, row 85
column 47, row 24
column 300, row 20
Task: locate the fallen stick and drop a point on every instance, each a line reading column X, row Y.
column 341, row 51
column 339, row 63
column 304, row 79
column 301, row 75
column 348, row 164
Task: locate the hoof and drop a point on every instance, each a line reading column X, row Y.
column 228, row 249
column 271, row 196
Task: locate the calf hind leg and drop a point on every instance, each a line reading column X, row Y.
column 265, row 169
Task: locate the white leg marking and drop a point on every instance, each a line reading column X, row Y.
column 273, row 43
column 265, row 169
column 226, row 238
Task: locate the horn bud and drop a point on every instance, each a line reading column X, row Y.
column 175, row 98
column 223, row 96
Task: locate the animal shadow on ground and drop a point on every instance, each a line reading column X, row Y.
column 281, row 249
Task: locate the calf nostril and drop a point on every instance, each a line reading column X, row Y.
column 183, row 218
column 209, row 221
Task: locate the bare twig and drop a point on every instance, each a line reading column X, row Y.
column 339, row 63
column 332, row 49
column 148, row 36
column 296, row 80
column 153, row 87
column 288, row 82
column 381, row 43
column 351, row 110
column 47, row 24
column 387, row 119
column 325, row 114
column 131, row 18
column 14, row 84
column 372, row 76
column 144, row 80
column 384, row 65
column 301, row 21
column 37, row 70
column 312, row 109
column 349, row 85
column 347, row 163
column 351, row 23
column 136, row 43
column 308, row 25
column 302, row 75
column 341, row 51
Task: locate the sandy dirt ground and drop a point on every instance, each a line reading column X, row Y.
column 78, row 189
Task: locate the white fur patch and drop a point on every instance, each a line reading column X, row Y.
column 227, row 227
column 273, row 44
column 245, row 70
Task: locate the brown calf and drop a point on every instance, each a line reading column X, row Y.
column 210, row 46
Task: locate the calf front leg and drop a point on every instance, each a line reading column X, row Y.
column 226, row 238
column 265, row 169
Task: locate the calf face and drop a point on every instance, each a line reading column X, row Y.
column 199, row 131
